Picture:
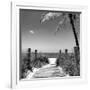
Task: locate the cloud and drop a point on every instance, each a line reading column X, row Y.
column 31, row 31
column 48, row 16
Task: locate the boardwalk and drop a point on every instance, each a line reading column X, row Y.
column 47, row 71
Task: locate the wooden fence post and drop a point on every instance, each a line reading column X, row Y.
column 60, row 51
column 77, row 58
column 77, row 55
column 29, row 59
column 29, row 54
column 35, row 54
column 66, row 51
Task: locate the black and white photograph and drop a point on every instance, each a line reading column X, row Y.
column 49, row 44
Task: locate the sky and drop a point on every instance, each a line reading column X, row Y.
column 42, row 37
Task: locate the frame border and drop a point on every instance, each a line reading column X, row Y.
column 15, row 51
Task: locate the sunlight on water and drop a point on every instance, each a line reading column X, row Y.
column 52, row 60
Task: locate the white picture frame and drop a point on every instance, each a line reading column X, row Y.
column 15, row 82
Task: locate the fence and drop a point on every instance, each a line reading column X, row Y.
column 70, row 63
column 76, row 54
column 71, row 66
